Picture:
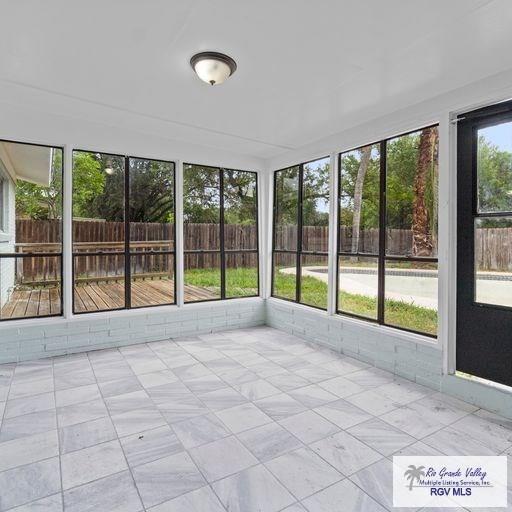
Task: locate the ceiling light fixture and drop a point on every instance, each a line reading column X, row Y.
column 212, row 67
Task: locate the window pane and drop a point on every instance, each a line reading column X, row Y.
column 494, row 168
column 411, row 194
column 493, row 261
column 98, row 202
column 201, row 207
column 30, row 199
column 30, row 287
column 241, row 274
column 358, row 285
column 151, row 205
column 152, row 279
column 202, row 276
column 284, row 269
column 315, row 206
column 313, row 283
column 359, row 200
column 411, row 295
column 240, row 210
column 99, row 282
column 286, row 211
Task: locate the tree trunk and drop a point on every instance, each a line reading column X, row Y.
column 358, row 196
column 421, row 232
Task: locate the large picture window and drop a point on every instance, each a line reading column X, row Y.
column 387, row 233
column 30, row 230
column 301, row 233
column 220, row 233
column 123, row 232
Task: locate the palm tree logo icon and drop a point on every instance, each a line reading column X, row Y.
column 414, row 473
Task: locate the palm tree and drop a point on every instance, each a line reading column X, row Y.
column 414, row 473
column 421, row 232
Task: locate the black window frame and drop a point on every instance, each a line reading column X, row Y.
column 59, row 254
column 222, row 251
column 298, row 252
column 127, row 251
column 382, row 257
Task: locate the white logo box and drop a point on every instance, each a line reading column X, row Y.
column 446, row 481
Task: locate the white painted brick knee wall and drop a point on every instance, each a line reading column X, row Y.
column 53, row 337
column 417, row 362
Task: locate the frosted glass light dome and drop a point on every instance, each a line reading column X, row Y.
column 212, row 67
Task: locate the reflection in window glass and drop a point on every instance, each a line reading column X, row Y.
column 315, row 206
column 313, row 282
column 359, row 200
column 284, row 271
column 411, row 295
column 30, row 225
column 240, row 210
column 358, row 285
column 493, row 253
column 411, row 194
column 494, row 168
column 286, row 209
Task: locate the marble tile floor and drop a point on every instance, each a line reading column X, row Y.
column 252, row 420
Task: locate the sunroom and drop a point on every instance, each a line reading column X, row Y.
column 256, row 257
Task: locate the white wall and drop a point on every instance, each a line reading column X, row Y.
column 7, row 236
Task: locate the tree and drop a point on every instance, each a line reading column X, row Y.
column 38, row 201
column 88, row 183
column 421, row 228
column 358, row 196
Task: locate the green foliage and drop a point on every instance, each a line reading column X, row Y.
column 40, row 202
column 88, row 184
column 494, row 177
column 401, row 314
column 201, row 193
column 315, row 206
column 350, row 163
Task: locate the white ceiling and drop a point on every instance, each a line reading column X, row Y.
column 306, row 68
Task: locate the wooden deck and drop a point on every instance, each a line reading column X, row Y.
column 98, row 296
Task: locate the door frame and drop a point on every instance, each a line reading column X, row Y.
column 498, row 109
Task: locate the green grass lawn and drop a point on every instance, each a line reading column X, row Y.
column 242, row 282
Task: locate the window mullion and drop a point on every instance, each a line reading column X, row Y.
column 221, row 222
column 298, row 263
column 382, row 233
column 127, row 266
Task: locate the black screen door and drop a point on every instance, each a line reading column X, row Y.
column 484, row 243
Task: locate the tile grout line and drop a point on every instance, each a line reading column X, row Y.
column 117, row 437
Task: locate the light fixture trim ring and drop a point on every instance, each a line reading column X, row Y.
column 222, row 57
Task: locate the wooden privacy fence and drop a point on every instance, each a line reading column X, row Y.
column 146, row 239
column 493, row 246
